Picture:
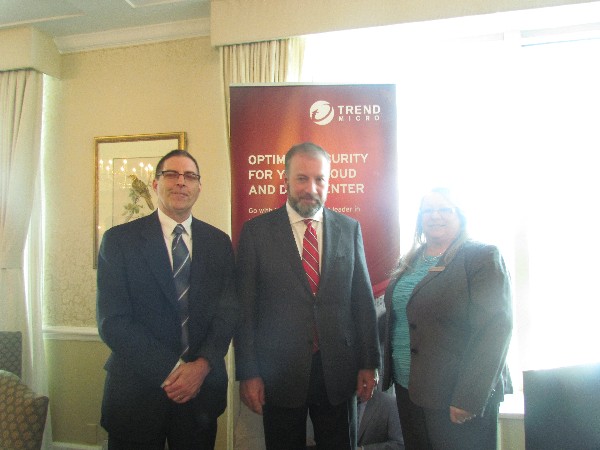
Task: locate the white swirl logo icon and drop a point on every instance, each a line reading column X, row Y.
column 321, row 112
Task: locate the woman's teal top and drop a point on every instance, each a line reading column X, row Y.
column 399, row 327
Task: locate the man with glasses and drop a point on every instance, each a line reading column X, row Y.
column 167, row 311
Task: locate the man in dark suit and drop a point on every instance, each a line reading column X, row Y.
column 379, row 424
column 305, row 346
column 166, row 376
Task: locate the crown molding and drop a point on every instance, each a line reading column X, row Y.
column 133, row 36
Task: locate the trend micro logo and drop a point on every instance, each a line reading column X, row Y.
column 322, row 113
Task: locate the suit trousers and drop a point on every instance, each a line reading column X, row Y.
column 334, row 425
column 181, row 432
column 432, row 429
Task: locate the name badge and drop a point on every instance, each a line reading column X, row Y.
column 437, row 268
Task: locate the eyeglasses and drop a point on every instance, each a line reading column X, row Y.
column 444, row 212
column 173, row 175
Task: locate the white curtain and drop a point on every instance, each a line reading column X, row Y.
column 34, row 282
column 262, row 62
column 20, row 287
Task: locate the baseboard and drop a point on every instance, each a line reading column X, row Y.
column 69, row 446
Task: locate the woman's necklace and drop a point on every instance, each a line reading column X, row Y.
column 431, row 257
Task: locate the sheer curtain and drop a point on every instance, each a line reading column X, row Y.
column 262, row 62
column 20, row 144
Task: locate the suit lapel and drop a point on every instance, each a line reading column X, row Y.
column 200, row 255
column 331, row 239
column 432, row 274
column 283, row 234
column 364, row 421
column 155, row 252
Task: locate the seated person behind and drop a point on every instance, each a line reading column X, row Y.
column 379, row 425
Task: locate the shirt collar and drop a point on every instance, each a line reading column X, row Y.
column 168, row 224
column 295, row 217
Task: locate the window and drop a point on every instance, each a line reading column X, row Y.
column 510, row 118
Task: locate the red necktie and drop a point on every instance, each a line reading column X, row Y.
column 310, row 256
column 310, row 261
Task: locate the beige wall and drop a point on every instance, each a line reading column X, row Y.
column 76, row 381
column 511, row 433
column 171, row 86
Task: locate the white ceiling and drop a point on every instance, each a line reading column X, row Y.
column 80, row 24
column 77, row 25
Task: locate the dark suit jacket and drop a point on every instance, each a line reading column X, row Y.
column 379, row 428
column 275, row 339
column 138, row 319
column 460, row 323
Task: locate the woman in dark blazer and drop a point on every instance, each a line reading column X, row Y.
column 447, row 332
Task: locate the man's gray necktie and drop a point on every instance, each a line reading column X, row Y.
column 181, row 276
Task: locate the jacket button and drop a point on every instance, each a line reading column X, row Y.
column 414, row 351
column 413, row 326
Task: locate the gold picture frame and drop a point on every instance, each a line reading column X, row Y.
column 124, row 170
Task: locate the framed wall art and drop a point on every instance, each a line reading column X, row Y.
column 124, row 172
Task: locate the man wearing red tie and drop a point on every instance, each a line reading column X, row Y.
column 308, row 340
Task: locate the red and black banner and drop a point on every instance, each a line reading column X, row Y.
column 355, row 124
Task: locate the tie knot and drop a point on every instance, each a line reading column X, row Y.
column 308, row 222
column 178, row 230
